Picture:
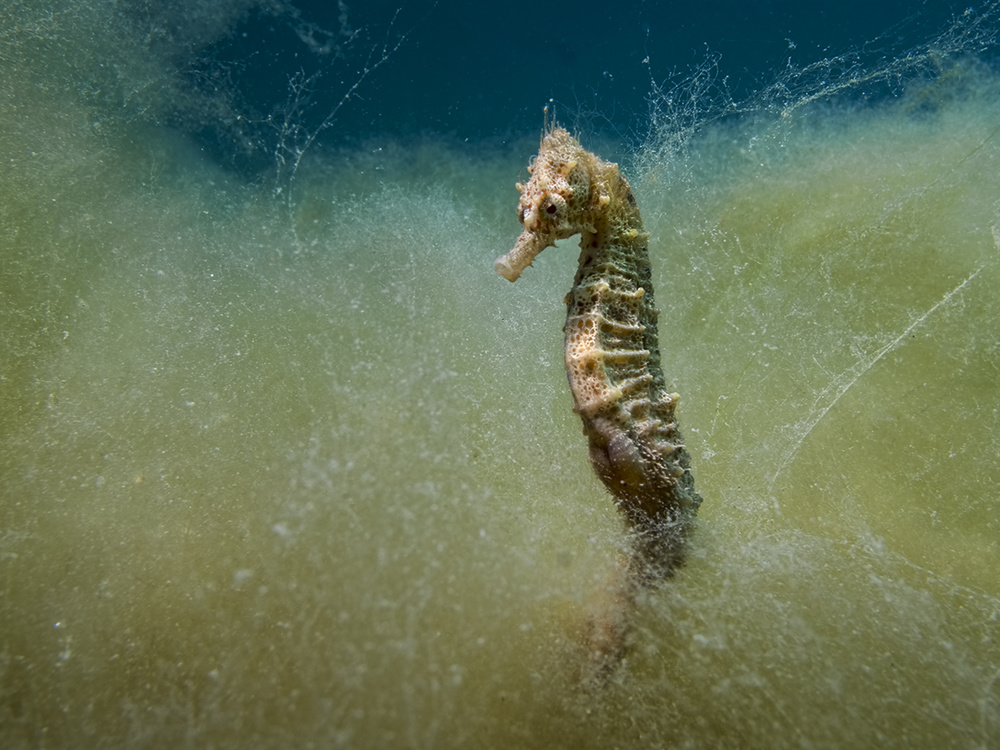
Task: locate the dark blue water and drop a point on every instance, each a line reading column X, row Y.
column 477, row 70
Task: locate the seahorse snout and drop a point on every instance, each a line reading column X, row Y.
column 528, row 245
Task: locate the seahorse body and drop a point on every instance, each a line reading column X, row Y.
column 612, row 354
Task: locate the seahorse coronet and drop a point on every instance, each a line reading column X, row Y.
column 612, row 354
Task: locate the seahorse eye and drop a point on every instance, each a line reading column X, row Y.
column 551, row 209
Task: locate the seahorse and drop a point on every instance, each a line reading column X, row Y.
column 613, row 366
column 611, row 352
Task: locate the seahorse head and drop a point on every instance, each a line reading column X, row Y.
column 555, row 202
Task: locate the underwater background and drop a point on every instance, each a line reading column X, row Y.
column 284, row 463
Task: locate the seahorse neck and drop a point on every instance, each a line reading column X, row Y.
column 613, row 238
